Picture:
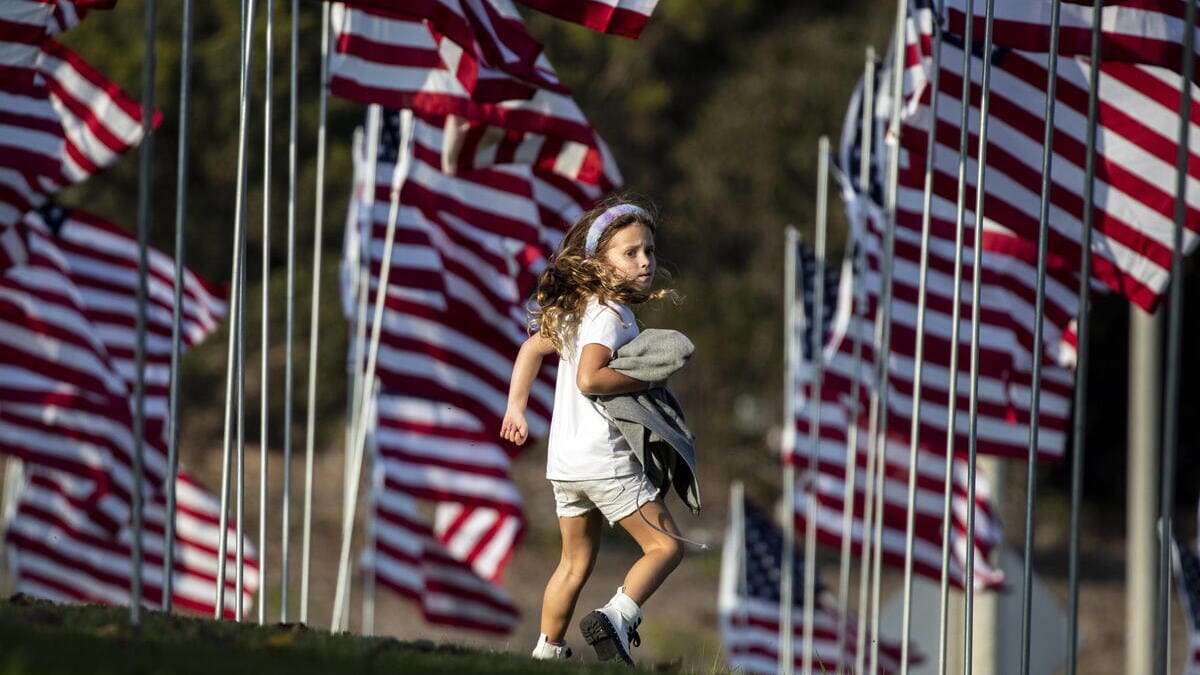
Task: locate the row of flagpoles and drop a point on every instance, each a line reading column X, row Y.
column 472, row 161
column 953, row 128
column 463, row 186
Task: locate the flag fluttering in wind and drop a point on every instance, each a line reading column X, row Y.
column 748, row 604
column 66, row 125
column 393, row 61
column 1141, row 31
column 618, row 17
column 826, row 479
column 484, row 43
column 69, row 304
column 1135, row 167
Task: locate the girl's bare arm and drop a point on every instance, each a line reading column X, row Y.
column 514, row 428
column 595, row 378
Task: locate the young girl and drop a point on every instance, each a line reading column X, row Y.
column 605, row 264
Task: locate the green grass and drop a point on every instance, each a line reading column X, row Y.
column 42, row 638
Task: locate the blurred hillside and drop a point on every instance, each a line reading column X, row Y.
column 714, row 114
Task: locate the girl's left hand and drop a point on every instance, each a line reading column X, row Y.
column 514, row 428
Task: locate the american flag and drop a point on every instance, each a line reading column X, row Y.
column 748, row 604
column 1187, row 567
column 1150, row 31
column 393, row 61
column 62, row 405
column 484, row 43
column 66, row 125
column 618, row 17
column 1005, row 331
column 64, row 547
column 827, row 480
column 1133, row 221
column 62, row 553
column 467, row 251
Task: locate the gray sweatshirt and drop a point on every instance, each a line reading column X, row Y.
column 652, row 421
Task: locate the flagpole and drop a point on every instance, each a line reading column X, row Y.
column 867, row 135
column 960, row 205
column 264, row 375
column 362, row 285
column 185, row 97
column 919, row 370
column 1039, row 321
column 814, row 432
column 956, row 310
column 235, row 295
column 889, row 243
column 145, row 168
column 314, row 333
column 976, row 299
column 1083, row 345
column 403, row 156
column 787, row 660
column 1170, row 428
column 290, row 321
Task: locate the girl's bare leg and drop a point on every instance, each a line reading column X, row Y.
column 660, row 553
column 580, row 542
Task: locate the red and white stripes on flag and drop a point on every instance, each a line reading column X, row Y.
column 24, row 24
column 68, row 320
column 62, row 405
column 103, row 263
column 408, row 559
column 431, row 450
column 394, row 61
column 1137, row 31
column 483, row 43
column 827, row 479
column 66, row 125
column 1136, row 151
column 618, row 17
column 61, row 553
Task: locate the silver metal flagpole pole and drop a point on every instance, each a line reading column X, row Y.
column 867, row 134
column 814, row 435
column 976, row 299
column 240, row 522
column 1038, row 330
column 889, row 246
column 918, row 370
column 953, row 382
column 787, row 659
column 264, row 375
column 1083, row 345
column 315, row 317
column 145, row 169
column 340, row 615
column 235, row 299
column 286, row 506
column 1170, row 428
column 185, row 96
column 362, row 285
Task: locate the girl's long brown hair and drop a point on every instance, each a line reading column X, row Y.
column 573, row 277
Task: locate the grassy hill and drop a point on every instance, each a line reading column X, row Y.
column 41, row 637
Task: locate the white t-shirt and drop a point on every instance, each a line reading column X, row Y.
column 584, row 444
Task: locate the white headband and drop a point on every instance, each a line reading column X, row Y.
column 602, row 221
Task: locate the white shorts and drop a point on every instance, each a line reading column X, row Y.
column 615, row 497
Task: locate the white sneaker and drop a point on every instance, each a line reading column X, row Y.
column 547, row 651
column 610, row 634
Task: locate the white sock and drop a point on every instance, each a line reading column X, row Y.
column 625, row 605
